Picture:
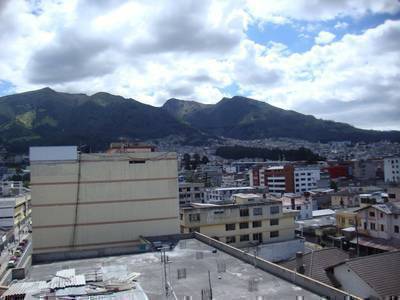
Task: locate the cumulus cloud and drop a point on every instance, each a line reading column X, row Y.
column 155, row 50
column 324, row 37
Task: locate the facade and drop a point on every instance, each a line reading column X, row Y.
column 306, row 178
column 365, row 169
column 250, row 220
column 393, row 193
column 190, row 192
column 97, row 201
column 277, row 179
column 380, row 221
column 346, row 218
column 392, row 169
column 303, row 205
column 14, row 210
column 225, row 194
column 344, row 199
column 11, row 188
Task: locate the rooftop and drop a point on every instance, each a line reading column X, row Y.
column 316, row 261
column 231, row 278
column 380, row 271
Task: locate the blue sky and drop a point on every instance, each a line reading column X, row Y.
column 311, row 56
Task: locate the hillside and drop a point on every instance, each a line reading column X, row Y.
column 244, row 118
column 46, row 117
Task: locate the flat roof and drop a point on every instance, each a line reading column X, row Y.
column 239, row 281
column 235, row 188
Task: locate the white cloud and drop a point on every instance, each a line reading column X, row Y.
column 324, row 37
column 341, row 25
column 152, row 51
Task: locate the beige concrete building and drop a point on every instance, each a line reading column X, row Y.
column 98, row 201
column 250, row 219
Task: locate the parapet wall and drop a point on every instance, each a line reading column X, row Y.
column 289, row 275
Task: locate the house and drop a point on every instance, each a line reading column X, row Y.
column 303, row 205
column 314, row 263
column 346, row 218
column 369, row 277
column 343, row 199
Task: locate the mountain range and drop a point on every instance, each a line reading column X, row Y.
column 47, row 117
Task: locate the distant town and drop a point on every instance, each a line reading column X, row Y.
column 318, row 218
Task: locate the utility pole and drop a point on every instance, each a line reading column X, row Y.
column 209, row 282
column 357, row 244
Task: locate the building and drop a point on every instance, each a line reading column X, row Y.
column 88, row 203
column 392, row 169
column 393, row 193
column 369, row 277
column 366, row 169
column 250, row 219
column 11, row 188
column 306, row 178
column 190, row 192
column 225, row 194
column 196, row 268
column 344, row 199
column 303, row 205
column 314, row 263
column 380, row 221
column 15, row 210
column 346, row 218
column 277, row 179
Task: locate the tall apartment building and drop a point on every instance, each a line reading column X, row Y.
column 250, row 220
column 278, row 179
column 100, row 201
column 392, row 169
column 306, row 178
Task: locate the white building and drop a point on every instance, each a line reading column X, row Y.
column 225, row 194
column 392, row 169
column 301, row 204
column 11, row 188
column 306, row 178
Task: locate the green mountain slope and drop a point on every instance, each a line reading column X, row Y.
column 245, row 118
column 46, row 117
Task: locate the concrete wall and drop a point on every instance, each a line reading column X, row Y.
column 116, row 201
column 289, row 275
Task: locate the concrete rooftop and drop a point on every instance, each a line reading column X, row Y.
column 237, row 282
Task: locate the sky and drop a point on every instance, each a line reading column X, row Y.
column 335, row 59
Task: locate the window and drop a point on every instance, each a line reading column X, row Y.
column 298, row 207
column 274, row 210
column 244, row 238
column 365, row 225
column 274, row 234
column 244, row 212
column 381, row 215
column 137, row 161
column 256, row 224
column 194, row 217
column 372, row 214
column 257, row 211
column 230, row 239
column 257, row 236
column 382, row 227
column 372, row 226
column 396, row 228
column 194, row 229
column 229, row 227
column 243, row 225
column 274, row 222
column 181, row 216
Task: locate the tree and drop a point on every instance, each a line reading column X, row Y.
column 204, row 160
column 334, row 186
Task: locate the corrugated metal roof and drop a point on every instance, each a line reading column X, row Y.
column 63, row 282
column 22, row 288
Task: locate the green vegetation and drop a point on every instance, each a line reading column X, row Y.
column 238, row 152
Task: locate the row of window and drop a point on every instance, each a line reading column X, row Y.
column 245, row 225
column 372, row 226
column 246, row 237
